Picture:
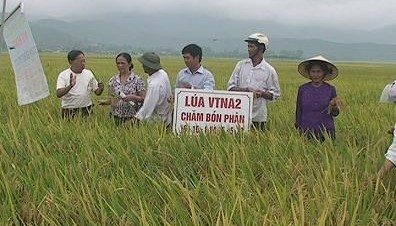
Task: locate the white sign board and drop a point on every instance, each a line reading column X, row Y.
column 30, row 79
column 197, row 111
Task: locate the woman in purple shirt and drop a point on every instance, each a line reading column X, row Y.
column 317, row 101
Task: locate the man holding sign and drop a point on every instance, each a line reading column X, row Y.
column 74, row 86
column 194, row 76
column 255, row 75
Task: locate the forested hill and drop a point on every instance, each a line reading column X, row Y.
column 169, row 33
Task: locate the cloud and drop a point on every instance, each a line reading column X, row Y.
column 362, row 14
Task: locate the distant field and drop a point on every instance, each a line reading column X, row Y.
column 88, row 172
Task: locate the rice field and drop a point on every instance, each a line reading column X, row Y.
column 90, row 172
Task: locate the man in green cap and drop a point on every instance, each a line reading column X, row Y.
column 155, row 106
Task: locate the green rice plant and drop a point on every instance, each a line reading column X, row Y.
column 90, row 172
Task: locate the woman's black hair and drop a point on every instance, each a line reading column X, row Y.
column 127, row 57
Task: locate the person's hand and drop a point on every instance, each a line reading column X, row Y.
column 185, row 85
column 249, row 89
column 127, row 98
column 336, row 102
column 171, row 98
column 104, row 102
column 100, row 89
column 100, row 85
column 333, row 102
column 257, row 93
column 72, row 80
column 266, row 95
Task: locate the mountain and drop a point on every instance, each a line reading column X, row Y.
column 219, row 36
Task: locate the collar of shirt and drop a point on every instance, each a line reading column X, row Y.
column 199, row 71
column 74, row 73
column 261, row 65
column 154, row 75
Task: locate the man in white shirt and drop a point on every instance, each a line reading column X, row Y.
column 74, row 86
column 255, row 75
column 155, row 106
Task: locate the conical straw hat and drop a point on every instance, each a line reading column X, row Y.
column 333, row 71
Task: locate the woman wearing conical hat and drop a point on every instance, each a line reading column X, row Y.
column 317, row 101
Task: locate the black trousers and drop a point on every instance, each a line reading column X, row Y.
column 68, row 113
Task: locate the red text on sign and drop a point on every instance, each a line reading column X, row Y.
column 224, row 102
column 194, row 101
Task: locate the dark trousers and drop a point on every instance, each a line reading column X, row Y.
column 262, row 126
column 68, row 113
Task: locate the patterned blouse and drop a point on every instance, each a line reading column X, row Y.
column 133, row 85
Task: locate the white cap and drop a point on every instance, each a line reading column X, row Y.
column 258, row 37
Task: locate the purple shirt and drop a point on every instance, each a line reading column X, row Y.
column 312, row 112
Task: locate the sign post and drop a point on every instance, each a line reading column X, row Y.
column 197, row 111
column 1, row 28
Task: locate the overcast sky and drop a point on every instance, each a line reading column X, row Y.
column 361, row 14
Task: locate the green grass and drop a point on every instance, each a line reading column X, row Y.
column 89, row 172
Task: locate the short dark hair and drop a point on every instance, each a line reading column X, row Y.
column 194, row 50
column 127, row 57
column 73, row 54
column 321, row 64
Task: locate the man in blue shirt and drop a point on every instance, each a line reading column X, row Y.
column 194, row 76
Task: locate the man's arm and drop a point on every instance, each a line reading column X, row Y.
column 63, row 91
column 273, row 91
column 236, row 88
column 149, row 104
column 233, row 82
column 388, row 165
column 60, row 92
column 209, row 83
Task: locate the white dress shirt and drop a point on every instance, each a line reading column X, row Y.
column 201, row 79
column 261, row 77
column 156, row 106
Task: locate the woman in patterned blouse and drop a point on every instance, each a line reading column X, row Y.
column 126, row 91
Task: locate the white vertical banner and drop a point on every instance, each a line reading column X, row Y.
column 30, row 79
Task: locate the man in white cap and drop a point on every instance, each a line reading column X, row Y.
column 255, row 75
column 155, row 106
